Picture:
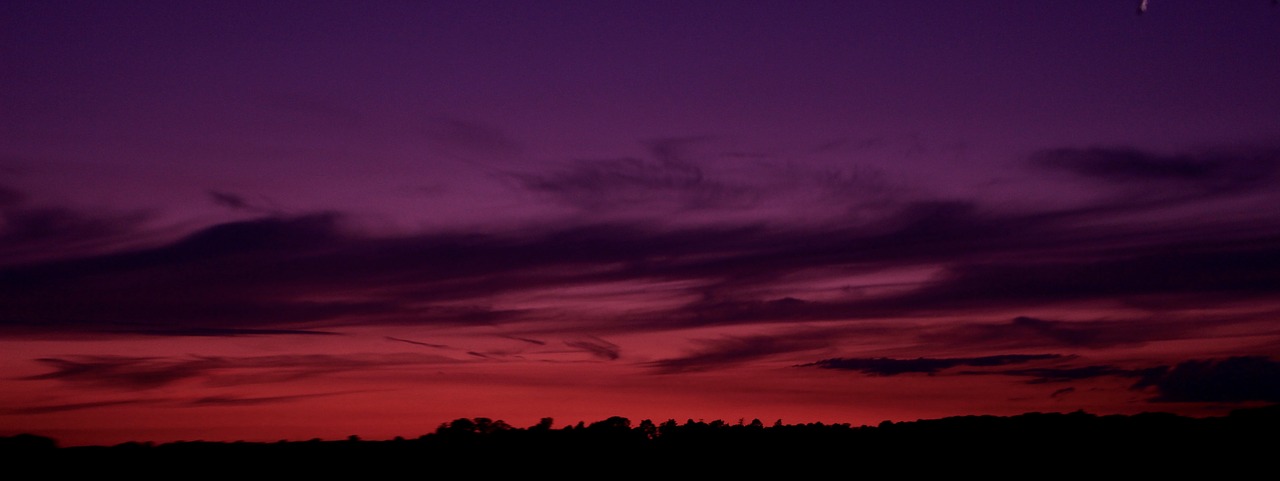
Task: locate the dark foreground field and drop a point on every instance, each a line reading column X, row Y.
column 1242, row 445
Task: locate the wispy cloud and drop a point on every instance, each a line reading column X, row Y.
column 1067, row 374
column 229, row 332
column 133, row 373
column 1221, row 168
column 144, row 373
column 528, row 340
column 416, row 343
column 883, row 366
column 35, row 233
column 1224, row 380
column 620, row 183
column 1031, row 331
column 1181, row 177
column 58, row 408
column 597, row 347
column 734, row 350
column 259, row 400
column 240, row 203
column 675, row 178
column 1062, row 392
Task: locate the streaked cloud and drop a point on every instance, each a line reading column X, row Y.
column 145, row 373
column 883, row 366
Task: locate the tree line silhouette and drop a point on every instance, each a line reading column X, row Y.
column 1064, row 443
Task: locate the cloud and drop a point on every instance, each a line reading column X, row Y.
column 259, row 400
column 597, row 347
column 738, row 311
column 229, row 200
column 1030, row 331
column 1062, row 392
column 1093, row 335
column 668, row 178
column 620, row 183
column 416, row 343
column 145, row 373
column 525, row 339
column 58, row 408
column 33, row 233
column 295, row 273
column 674, row 178
column 1217, row 171
column 883, row 366
column 1060, row 374
column 200, row 401
column 1123, row 165
column 231, row 276
column 1233, row 379
column 732, row 350
column 1169, row 274
column 1227, row 380
column 132, row 373
column 227, row 332
column 272, row 272
column 239, row 202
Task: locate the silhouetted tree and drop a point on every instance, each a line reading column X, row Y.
column 25, row 443
column 612, row 424
column 544, row 424
column 489, row 426
column 457, row 426
column 668, row 427
column 647, row 429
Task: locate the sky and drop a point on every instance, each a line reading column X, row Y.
column 293, row 220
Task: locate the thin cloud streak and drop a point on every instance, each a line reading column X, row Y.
column 1211, row 172
column 147, row 373
column 731, row 351
column 1027, row 331
column 60, row 408
column 597, row 347
column 215, row 332
column 883, row 366
column 416, row 343
column 260, row 400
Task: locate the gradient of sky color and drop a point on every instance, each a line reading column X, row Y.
column 266, row 220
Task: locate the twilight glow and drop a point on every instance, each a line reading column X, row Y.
column 288, row 220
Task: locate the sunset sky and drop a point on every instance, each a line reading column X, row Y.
column 287, row 220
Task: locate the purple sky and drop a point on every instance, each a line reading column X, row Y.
column 834, row 211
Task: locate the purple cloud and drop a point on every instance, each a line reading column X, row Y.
column 597, row 347
column 883, row 366
column 144, row 373
column 730, row 351
column 1233, row 379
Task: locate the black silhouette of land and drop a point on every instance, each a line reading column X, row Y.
column 1242, row 444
